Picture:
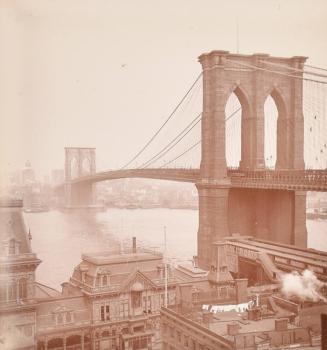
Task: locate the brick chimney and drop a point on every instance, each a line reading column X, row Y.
column 195, row 261
column 233, row 328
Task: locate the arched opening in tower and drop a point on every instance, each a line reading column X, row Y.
column 233, row 113
column 86, row 166
column 73, row 168
column 270, row 132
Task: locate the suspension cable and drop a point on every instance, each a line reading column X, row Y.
column 276, row 72
column 189, row 149
column 324, row 69
column 294, row 69
column 166, row 149
column 162, row 126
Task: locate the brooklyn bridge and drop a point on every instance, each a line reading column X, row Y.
column 259, row 195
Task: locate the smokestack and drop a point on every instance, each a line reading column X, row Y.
column 134, row 245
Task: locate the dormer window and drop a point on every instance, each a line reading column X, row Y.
column 11, row 246
column 103, row 278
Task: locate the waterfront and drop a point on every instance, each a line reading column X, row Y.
column 59, row 238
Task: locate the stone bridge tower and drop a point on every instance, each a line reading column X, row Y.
column 276, row 215
column 79, row 161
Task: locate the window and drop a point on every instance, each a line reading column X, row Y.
column 171, row 331
column 22, row 288
column 60, row 319
column 104, row 280
column 179, row 337
column 12, row 295
column 185, row 341
column 105, row 312
column 136, row 299
column 3, row 292
column 11, row 247
column 68, row 317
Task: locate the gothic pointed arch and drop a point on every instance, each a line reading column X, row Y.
column 73, row 168
column 280, row 129
column 236, row 107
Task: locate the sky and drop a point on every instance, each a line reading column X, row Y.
column 106, row 74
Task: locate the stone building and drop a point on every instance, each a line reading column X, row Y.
column 20, row 294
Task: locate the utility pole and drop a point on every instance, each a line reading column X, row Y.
column 166, row 268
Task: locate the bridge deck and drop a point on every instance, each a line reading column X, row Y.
column 282, row 248
column 304, row 180
column 285, row 257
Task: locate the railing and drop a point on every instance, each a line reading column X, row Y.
column 304, row 178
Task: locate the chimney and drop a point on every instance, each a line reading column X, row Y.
column 134, row 245
column 232, row 328
column 254, row 314
column 207, row 318
column 195, row 261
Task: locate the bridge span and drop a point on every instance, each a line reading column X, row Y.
column 305, row 180
column 269, row 204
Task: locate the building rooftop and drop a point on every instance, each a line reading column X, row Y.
column 108, row 257
column 222, row 320
column 12, row 226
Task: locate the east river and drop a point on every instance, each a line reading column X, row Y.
column 59, row 238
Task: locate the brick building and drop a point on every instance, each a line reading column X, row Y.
column 112, row 300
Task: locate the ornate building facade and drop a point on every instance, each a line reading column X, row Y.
column 112, row 300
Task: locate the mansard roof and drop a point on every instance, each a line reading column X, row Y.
column 12, row 226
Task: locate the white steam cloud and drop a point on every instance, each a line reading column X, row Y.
column 305, row 286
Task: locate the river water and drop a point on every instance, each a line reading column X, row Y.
column 59, row 238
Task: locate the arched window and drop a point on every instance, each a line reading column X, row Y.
column 104, row 280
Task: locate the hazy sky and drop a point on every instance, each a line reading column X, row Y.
column 107, row 73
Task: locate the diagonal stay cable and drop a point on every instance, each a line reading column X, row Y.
column 162, row 126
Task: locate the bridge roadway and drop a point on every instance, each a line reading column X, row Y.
column 303, row 180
